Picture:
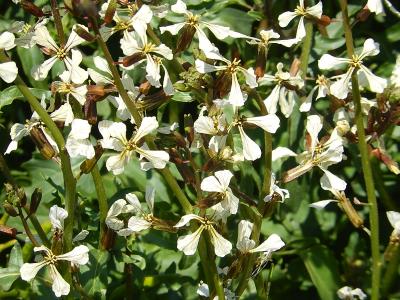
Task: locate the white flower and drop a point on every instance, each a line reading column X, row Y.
column 18, row 131
column 193, row 23
column 320, row 154
column 246, row 245
column 394, row 219
column 269, row 37
column 348, row 293
column 137, row 48
column 121, row 206
column 78, row 256
column 340, row 88
column 302, row 12
column 143, row 220
column 137, row 22
column 188, row 243
column 43, row 38
column 231, row 69
column 322, row 85
column 114, row 137
column 78, row 143
column 321, row 204
column 274, row 189
column 281, row 92
column 8, row 70
column 375, row 6
column 57, row 216
column 220, row 184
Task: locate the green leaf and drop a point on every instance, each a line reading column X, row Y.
column 323, row 270
column 30, row 58
column 393, row 33
column 8, row 95
column 11, row 273
column 182, row 97
column 98, row 273
column 236, row 19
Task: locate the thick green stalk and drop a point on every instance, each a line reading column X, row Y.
column 365, row 161
column 102, row 200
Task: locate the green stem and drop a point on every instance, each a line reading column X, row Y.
column 365, row 161
column 36, row 224
column 102, row 200
column 68, row 176
column 391, row 271
column 27, row 230
column 211, row 267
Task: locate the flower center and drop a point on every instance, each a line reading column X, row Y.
column 356, row 62
column 122, row 26
column 149, row 47
column 300, row 11
column 233, row 66
column 26, row 28
column 61, row 53
column 321, row 80
column 51, row 258
column 192, row 20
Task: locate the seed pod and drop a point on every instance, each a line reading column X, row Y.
column 261, row 61
column 144, row 87
column 83, row 33
column 32, row 9
column 188, row 125
column 40, row 140
column 350, row 211
column 35, row 200
column 110, row 12
column 10, row 231
column 87, row 165
column 9, row 208
column 185, row 38
column 132, row 59
column 222, row 84
column 90, row 111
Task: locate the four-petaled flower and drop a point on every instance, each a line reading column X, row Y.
column 340, row 88
column 78, row 256
column 114, row 137
column 188, row 243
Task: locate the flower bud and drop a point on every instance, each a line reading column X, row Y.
column 324, row 20
column 9, row 208
column 35, row 200
column 40, row 140
column 188, row 125
column 97, row 90
column 343, row 127
column 363, row 14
